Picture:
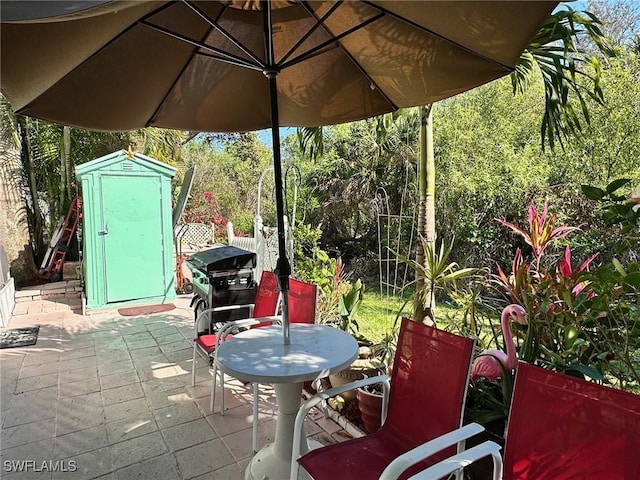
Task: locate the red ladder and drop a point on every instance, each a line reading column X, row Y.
column 53, row 269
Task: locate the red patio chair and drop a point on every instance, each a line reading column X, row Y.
column 265, row 304
column 561, row 428
column 302, row 309
column 302, row 301
column 425, row 400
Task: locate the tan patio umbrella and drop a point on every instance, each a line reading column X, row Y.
column 243, row 65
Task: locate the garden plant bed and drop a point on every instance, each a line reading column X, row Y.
column 348, row 418
column 351, row 413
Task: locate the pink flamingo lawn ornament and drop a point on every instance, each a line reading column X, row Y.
column 487, row 364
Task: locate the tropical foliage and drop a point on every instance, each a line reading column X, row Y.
column 203, row 208
column 440, row 274
column 229, row 168
column 492, row 171
column 569, row 74
column 552, row 293
column 338, row 298
column 583, row 315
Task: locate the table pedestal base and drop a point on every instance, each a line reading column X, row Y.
column 273, row 462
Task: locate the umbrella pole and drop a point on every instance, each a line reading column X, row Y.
column 283, row 267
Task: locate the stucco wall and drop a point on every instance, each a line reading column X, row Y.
column 14, row 232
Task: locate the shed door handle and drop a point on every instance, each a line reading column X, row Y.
column 103, row 232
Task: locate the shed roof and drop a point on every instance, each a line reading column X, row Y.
column 122, row 156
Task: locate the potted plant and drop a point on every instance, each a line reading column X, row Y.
column 370, row 397
column 364, row 365
column 370, row 406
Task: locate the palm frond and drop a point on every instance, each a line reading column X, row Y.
column 568, row 73
column 311, row 141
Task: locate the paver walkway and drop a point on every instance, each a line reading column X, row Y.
column 110, row 397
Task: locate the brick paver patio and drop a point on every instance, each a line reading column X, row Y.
column 110, row 397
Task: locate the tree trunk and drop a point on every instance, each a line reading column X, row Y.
column 426, row 212
column 36, row 225
column 65, row 169
column 430, row 227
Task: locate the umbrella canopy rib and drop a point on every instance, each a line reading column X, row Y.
column 335, row 39
column 152, row 118
column 436, row 34
column 101, row 49
column 218, row 54
column 224, row 32
column 257, row 68
column 310, row 32
column 371, row 81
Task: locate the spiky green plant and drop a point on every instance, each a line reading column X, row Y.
column 439, row 273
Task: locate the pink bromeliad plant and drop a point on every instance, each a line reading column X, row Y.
column 542, row 230
column 573, row 276
column 552, row 292
column 583, row 318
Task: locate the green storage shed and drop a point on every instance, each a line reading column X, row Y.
column 127, row 231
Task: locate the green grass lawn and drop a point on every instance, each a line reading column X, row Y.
column 378, row 312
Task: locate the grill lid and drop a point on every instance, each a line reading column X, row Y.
column 222, row 258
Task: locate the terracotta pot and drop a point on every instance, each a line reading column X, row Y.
column 370, row 405
column 359, row 369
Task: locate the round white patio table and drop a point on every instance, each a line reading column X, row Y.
column 259, row 355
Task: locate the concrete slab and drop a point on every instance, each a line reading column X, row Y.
column 110, row 397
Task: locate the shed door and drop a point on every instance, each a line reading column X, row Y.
column 132, row 237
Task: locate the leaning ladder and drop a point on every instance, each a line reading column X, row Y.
column 51, row 268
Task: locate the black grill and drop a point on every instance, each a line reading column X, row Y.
column 222, row 258
column 222, row 276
